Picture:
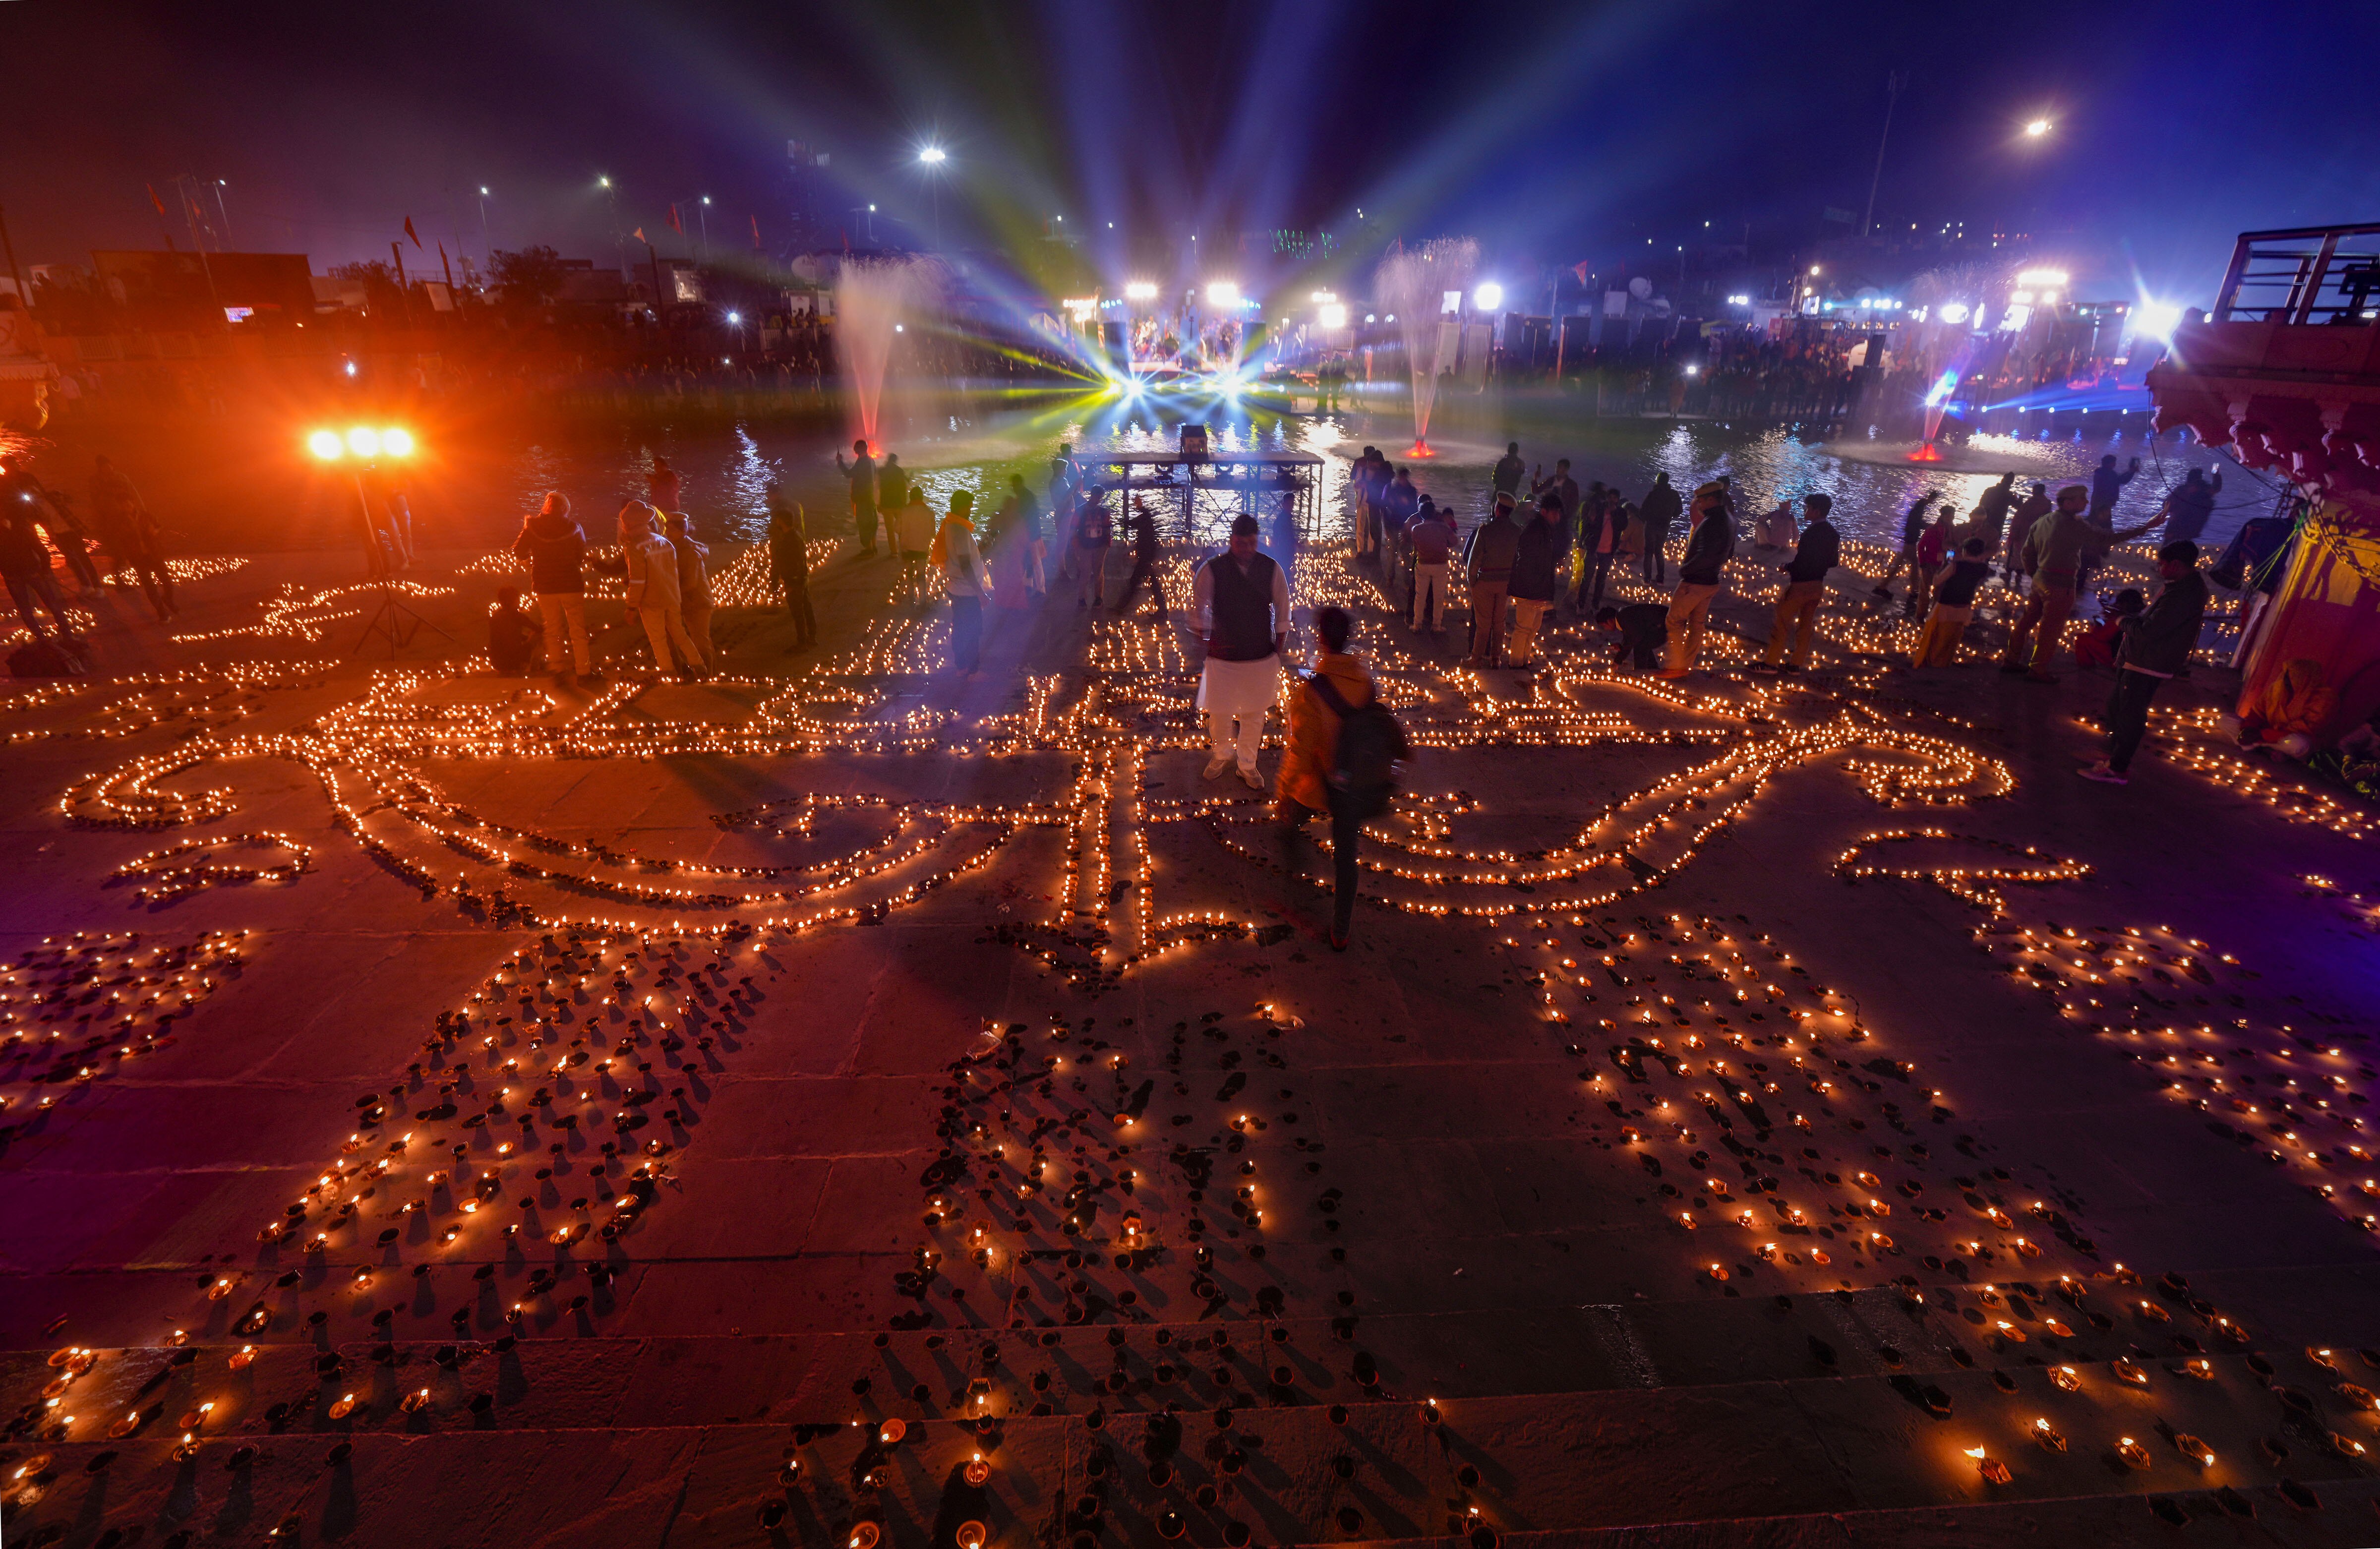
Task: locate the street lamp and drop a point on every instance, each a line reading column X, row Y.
column 619, row 241
column 932, row 158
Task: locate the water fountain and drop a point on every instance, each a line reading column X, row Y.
column 871, row 297
column 1412, row 283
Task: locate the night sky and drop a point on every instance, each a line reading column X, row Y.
column 1554, row 133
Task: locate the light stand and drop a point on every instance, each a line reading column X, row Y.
column 393, row 619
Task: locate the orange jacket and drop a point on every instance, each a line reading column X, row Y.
column 1313, row 740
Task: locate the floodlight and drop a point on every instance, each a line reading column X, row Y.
column 396, row 442
column 326, row 445
column 364, row 441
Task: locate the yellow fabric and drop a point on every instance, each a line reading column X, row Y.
column 2296, row 701
column 1313, row 740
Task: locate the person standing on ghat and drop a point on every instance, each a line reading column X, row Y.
column 1536, row 564
column 664, row 490
column 1656, row 511
column 1912, row 524
column 1431, row 536
column 693, row 582
column 2055, row 552
column 965, row 580
column 1094, row 535
column 1487, row 557
column 915, row 532
column 1240, row 599
column 1317, row 711
column 1708, row 548
column 2156, row 648
column 1806, row 586
column 649, row 564
column 555, row 550
column 2023, row 518
column 1505, row 479
column 1397, row 503
column 861, row 472
column 891, row 497
column 789, row 565
column 1144, row 560
column 128, row 532
column 1604, row 524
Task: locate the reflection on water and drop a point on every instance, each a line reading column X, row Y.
column 725, row 472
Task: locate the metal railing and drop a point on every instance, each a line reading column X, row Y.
column 2313, row 274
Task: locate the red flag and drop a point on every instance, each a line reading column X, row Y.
column 154, row 199
column 409, row 231
column 640, row 233
column 756, row 233
column 1579, row 270
column 675, row 224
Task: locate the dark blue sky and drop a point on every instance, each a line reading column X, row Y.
column 1552, row 132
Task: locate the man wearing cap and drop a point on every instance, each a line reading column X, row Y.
column 1241, row 598
column 2053, row 554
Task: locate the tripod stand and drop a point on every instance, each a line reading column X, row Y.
column 393, row 620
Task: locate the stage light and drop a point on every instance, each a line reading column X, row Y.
column 1691, row 368
column 396, row 442
column 2156, row 319
column 1140, row 290
column 326, row 445
column 933, row 155
column 364, row 441
column 1954, row 311
column 2037, row 128
column 1739, row 301
column 1488, row 297
column 1222, row 292
column 2041, row 277
column 1323, row 298
column 1333, row 314
column 734, row 317
column 602, row 181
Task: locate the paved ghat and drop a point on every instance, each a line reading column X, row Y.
column 832, row 1105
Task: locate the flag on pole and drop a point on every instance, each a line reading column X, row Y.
column 1579, row 270
column 675, row 224
column 640, row 233
column 410, row 232
column 756, row 233
column 154, row 199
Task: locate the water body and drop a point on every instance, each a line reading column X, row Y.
column 471, row 489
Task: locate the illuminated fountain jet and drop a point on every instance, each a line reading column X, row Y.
column 1413, row 284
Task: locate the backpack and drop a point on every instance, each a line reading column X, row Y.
column 1371, row 746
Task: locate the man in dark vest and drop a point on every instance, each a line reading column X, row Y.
column 1241, row 598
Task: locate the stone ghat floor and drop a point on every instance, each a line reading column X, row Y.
column 832, row 1105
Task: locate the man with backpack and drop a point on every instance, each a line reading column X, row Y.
column 1339, row 757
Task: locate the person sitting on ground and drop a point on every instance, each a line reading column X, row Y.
column 1642, row 629
column 513, row 637
column 2289, row 712
column 1302, row 786
column 2103, row 642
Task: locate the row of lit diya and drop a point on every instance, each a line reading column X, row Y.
column 2130, row 984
